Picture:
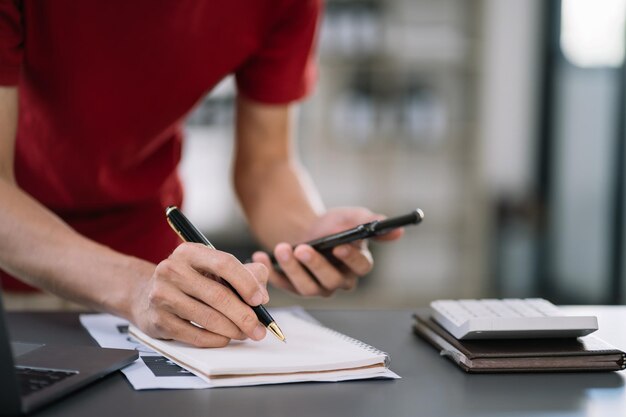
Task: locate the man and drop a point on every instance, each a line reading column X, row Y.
column 88, row 158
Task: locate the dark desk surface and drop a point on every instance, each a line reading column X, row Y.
column 430, row 384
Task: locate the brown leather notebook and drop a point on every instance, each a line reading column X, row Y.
column 587, row 353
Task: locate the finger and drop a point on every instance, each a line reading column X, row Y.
column 226, row 302
column 357, row 258
column 170, row 326
column 192, row 310
column 327, row 275
column 302, row 281
column 225, row 266
column 276, row 278
column 260, row 272
column 356, row 215
column 350, row 282
column 208, row 291
column 391, row 235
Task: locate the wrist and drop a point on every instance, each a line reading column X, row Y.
column 124, row 300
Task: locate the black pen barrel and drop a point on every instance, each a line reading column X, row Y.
column 263, row 315
column 188, row 232
column 325, row 244
column 383, row 226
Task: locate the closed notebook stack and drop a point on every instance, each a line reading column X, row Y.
column 587, row 353
column 312, row 353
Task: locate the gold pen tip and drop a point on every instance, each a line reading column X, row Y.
column 273, row 327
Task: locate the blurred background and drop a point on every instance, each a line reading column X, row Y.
column 501, row 119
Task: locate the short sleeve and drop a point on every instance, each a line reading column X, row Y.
column 283, row 69
column 11, row 41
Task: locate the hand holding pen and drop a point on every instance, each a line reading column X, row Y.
column 178, row 295
column 189, row 233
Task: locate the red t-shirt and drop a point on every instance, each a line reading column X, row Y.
column 104, row 88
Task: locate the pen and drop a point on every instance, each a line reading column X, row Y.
column 325, row 244
column 189, row 233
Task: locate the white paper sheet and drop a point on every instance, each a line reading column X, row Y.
column 151, row 370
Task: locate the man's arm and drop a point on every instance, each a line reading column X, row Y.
column 266, row 164
column 39, row 248
column 283, row 207
column 8, row 125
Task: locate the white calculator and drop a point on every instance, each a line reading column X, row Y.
column 509, row 319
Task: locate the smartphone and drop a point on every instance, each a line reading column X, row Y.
column 325, row 244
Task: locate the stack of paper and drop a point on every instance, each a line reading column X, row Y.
column 312, row 353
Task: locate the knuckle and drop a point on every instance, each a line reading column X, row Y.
column 218, row 263
column 164, row 269
column 209, row 318
column 169, row 271
column 260, row 272
column 196, row 340
column 157, row 295
column 248, row 321
column 223, row 260
column 181, row 249
column 219, row 295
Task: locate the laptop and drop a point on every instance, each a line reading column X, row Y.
column 35, row 374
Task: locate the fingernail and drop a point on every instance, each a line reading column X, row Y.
column 257, row 298
column 305, row 256
column 259, row 332
column 284, row 256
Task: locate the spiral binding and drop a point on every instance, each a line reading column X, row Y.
column 359, row 343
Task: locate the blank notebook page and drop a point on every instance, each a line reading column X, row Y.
column 310, row 348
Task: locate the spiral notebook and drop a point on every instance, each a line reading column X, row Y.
column 312, row 353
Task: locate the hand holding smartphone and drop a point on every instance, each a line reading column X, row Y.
column 325, row 244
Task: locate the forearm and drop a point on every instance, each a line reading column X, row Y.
column 280, row 201
column 39, row 248
column 275, row 192
column 284, row 209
